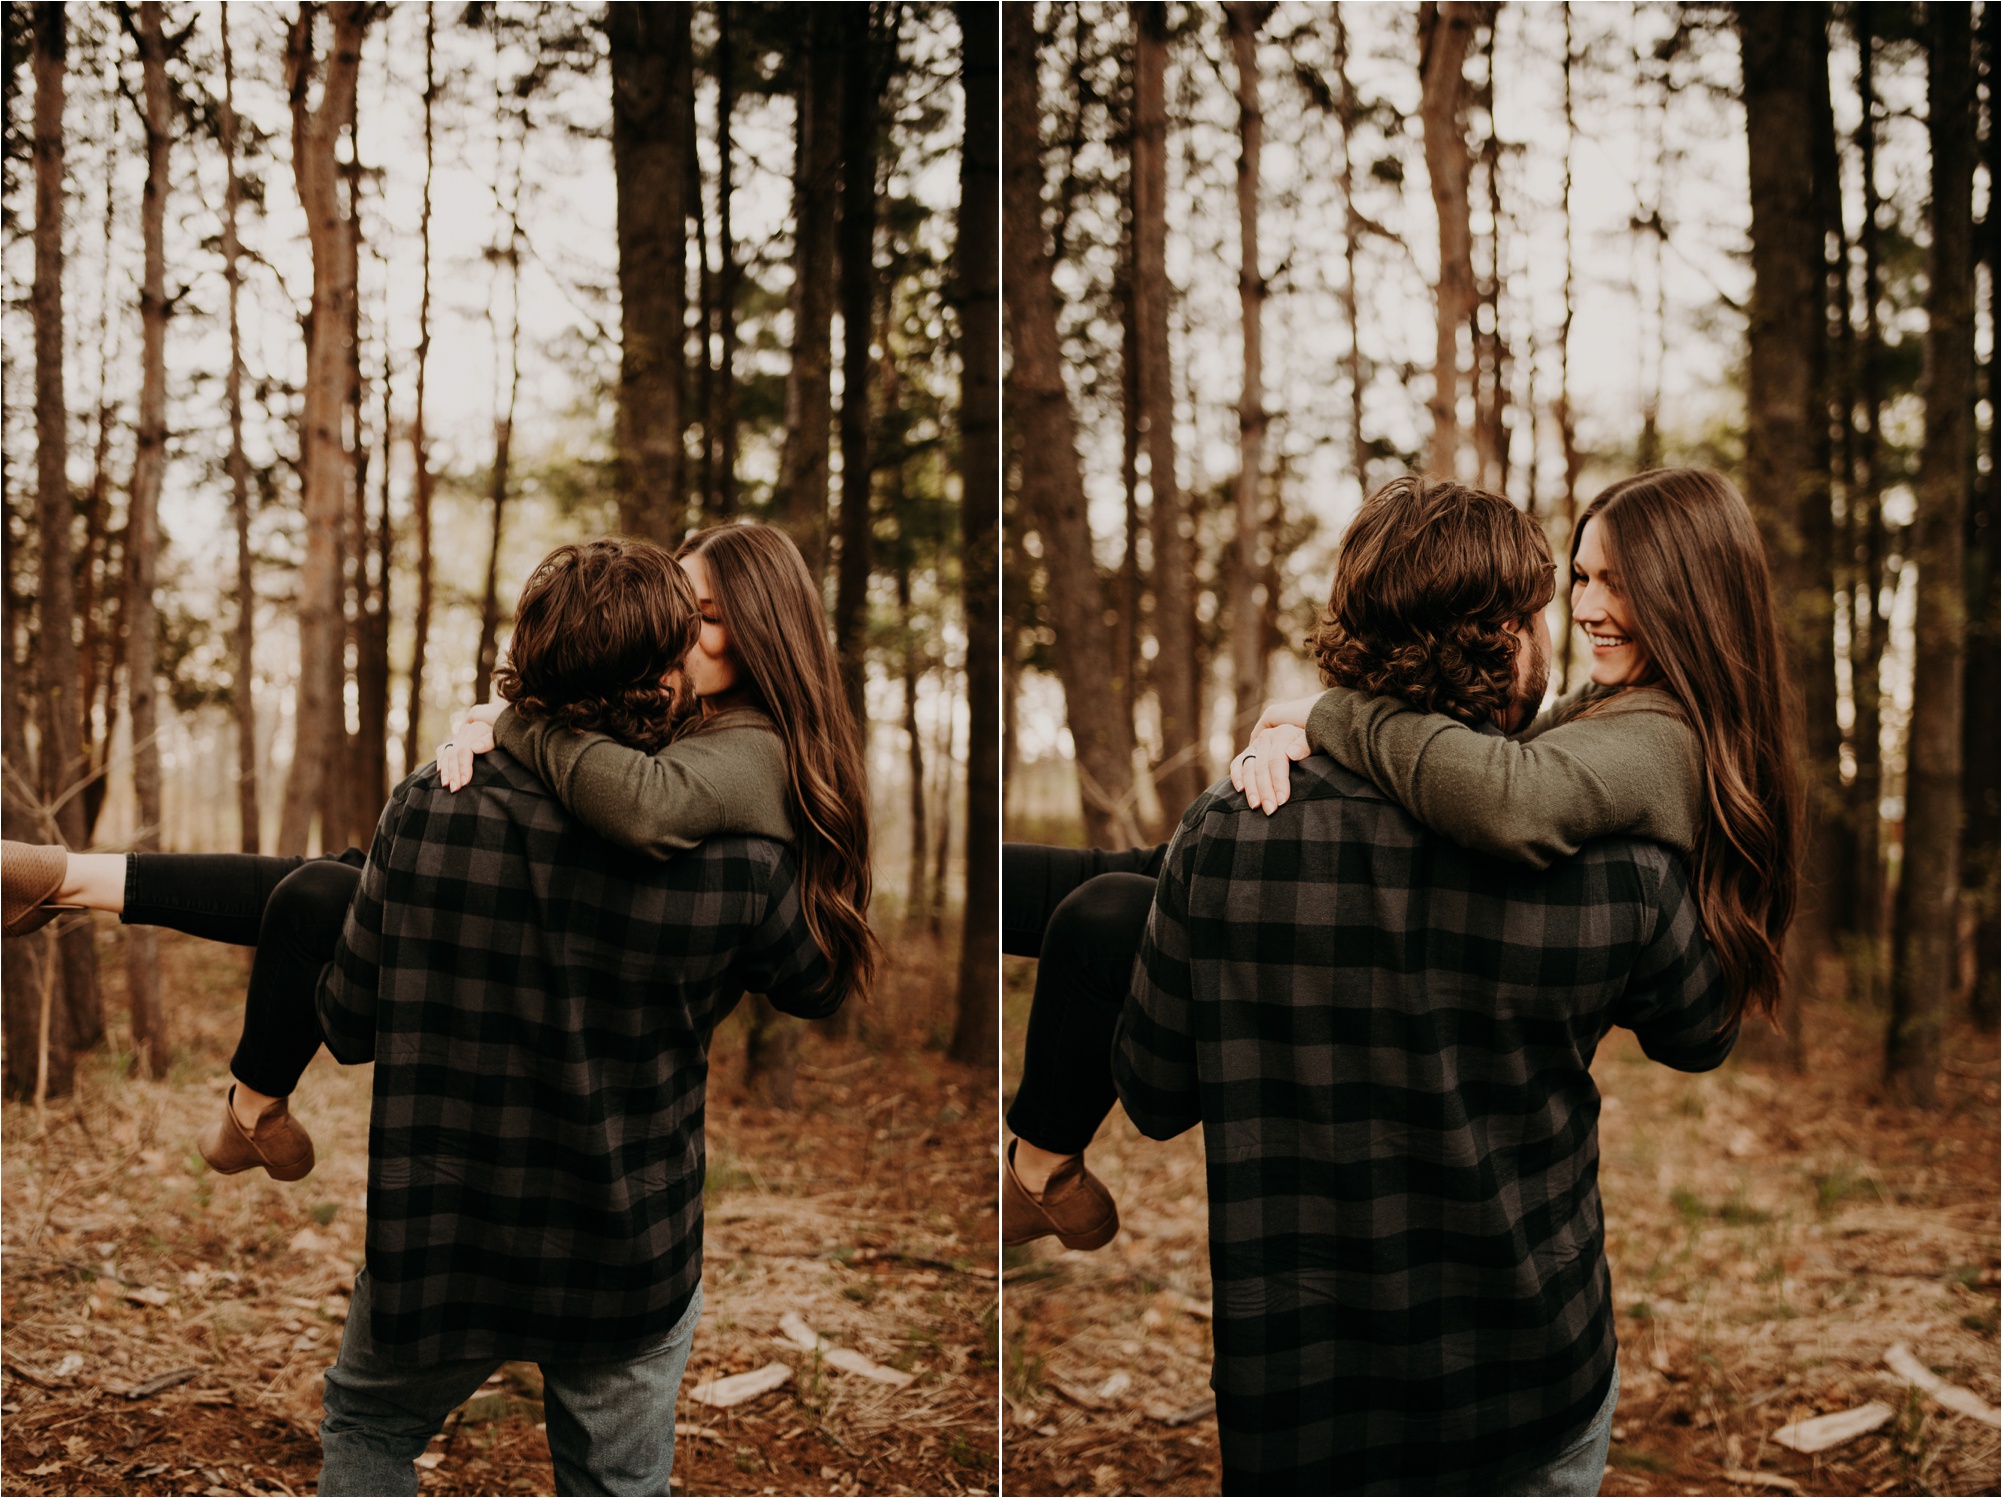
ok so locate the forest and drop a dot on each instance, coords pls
(330, 320)
(325, 322)
(1258, 260)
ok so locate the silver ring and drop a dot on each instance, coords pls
(1247, 755)
(446, 745)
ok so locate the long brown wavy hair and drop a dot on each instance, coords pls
(599, 626)
(767, 600)
(1688, 560)
(1430, 577)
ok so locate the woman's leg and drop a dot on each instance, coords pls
(281, 1028)
(1036, 878)
(1089, 944)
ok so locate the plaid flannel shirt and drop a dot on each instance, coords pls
(538, 1005)
(1386, 1039)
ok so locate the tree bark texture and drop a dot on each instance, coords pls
(1981, 744)
(722, 416)
(976, 252)
(27, 958)
(239, 470)
(1446, 31)
(801, 502)
(1180, 776)
(1247, 633)
(1052, 492)
(326, 464)
(78, 1009)
(652, 77)
(142, 527)
(1345, 112)
(420, 451)
(1785, 59)
(1924, 940)
(860, 90)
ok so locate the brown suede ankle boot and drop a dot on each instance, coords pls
(1074, 1205)
(29, 875)
(279, 1144)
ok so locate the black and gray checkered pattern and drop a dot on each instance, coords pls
(538, 1005)
(1386, 1040)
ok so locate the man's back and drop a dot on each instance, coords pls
(538, 1004)
(1387, 1040)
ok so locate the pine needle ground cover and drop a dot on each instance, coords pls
(131, 1269)
(1772, 1235)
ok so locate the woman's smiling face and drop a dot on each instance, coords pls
(711, 665)
(1600, 609)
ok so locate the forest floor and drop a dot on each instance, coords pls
(868, 1210)
(1772, 1235)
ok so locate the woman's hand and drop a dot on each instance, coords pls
(1264, 771)
(1291, 712)
(471, 735)
(483, 712)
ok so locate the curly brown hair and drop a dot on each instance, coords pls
(598, 631)
(1430, 577)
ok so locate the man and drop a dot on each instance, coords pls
(538, 1005)
(1386, 1039)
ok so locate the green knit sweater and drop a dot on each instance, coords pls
(727, 774)
(1632, 766)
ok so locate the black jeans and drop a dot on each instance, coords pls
(1082, 912)
(290, 909)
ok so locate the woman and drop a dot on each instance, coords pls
(1682, 737)
(773, 751)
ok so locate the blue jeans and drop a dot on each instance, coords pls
(611, 1425)
(1580, 1466)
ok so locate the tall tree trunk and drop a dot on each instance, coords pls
(801, 502)
(1247, 636)
(1785, 50)
(702, 401)
(1445, 32)
(974, 1036)
(1567, 421)
(488, 650)
(100, 581)
(1869, 628)
(1181, 774)
(1128, 623)
(722, 415)
(420, 452)
(326, 465)
(1928, 909)
(80, 1012)
(1345, 114)
(1491, 351)
(1981, 748)
(21, 820)
(652, 76)
(916, 902)
(370, 784)
(338, 827)
(858, 300)
(1052, 486)
(239, 471)
(142, 528)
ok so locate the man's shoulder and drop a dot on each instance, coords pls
(1322, 792)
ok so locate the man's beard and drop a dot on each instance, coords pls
(1530, 696)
